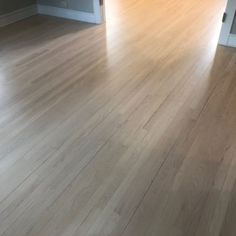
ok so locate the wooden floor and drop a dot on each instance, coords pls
(123, 129)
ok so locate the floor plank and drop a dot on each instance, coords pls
(121, 129)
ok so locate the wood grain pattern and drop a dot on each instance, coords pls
(123, 129)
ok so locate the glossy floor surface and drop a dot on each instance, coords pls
(123, 129)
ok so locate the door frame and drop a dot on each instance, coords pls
(99, 11)
(226, 38)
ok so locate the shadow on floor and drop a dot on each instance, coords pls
(22, 35)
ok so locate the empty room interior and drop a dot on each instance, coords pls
(117, 118)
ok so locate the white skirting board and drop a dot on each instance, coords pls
(18, 15)
(96, 17)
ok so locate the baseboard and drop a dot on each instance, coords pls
(18, 15)
(67, 13)
(232, 40)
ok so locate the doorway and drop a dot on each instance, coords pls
(228, 31)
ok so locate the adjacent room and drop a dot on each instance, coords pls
(117, 118)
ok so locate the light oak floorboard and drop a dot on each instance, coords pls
(121, 129)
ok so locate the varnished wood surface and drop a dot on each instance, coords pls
(123, 129)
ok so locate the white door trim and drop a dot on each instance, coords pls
(227, 25)
(232, 40)
(99, 9)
